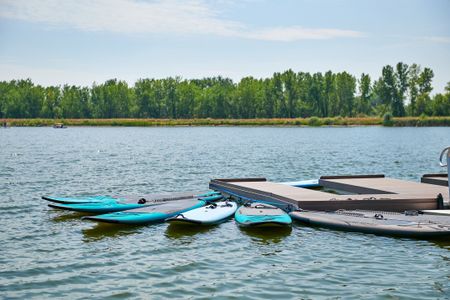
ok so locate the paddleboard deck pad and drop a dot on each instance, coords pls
(409, 224)
(261, 215)
(211, 214)
(149, 214)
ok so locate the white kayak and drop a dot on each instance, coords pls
(211, 214)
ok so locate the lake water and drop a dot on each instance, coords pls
(50, 253)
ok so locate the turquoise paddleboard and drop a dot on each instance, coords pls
(149, 214)
(261, 215)
(128, 198)
(99, 207)
(116, 205)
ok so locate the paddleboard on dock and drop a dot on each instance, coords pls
(409, 224)
(439, 212)
(149, 214)
(211, 214)
(261, 215)
(311, 183)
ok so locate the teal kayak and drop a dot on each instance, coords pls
(261, 215)
(116, 205)
(128, 198)
(149, 214)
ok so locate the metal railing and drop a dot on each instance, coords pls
(446, 164)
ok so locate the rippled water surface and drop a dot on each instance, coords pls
(48, 253)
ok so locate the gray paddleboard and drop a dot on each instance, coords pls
(158, 198)
(168, 207)
(378, 222)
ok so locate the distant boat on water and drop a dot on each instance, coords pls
(59, 126)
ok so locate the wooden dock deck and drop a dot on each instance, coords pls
(368, 192)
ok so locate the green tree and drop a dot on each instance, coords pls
(440, 104)
(71, 102)
(248, 95)
(187, 94)
(345, 90)
(290, 92)
(51, 104)
(423, 104)
(329, 93)
(424, 81)
(401, 74)
(364, 91)
(269, 99)
(287, 94)
(278, 93)
(386, 88)
(147, 101)
(413, 79)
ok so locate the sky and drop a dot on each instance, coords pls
(80, 42)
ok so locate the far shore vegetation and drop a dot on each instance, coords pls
(387, 120)
(401, 96)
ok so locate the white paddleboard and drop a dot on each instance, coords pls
(210, 214)
(439, 212)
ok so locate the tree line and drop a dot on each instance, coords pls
(401, 90)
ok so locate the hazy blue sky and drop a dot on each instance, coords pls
(79, 42)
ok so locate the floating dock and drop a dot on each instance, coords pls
(365, 192)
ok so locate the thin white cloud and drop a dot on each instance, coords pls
(289, 34)
(163, 16)
(437, 39)
(47, 75)
(125, 16)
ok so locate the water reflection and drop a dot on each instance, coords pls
(267, 235)
(66, 216)
(105, 230)
(176, 231)
(443, 242)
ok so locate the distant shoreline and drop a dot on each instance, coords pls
(313, 122)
